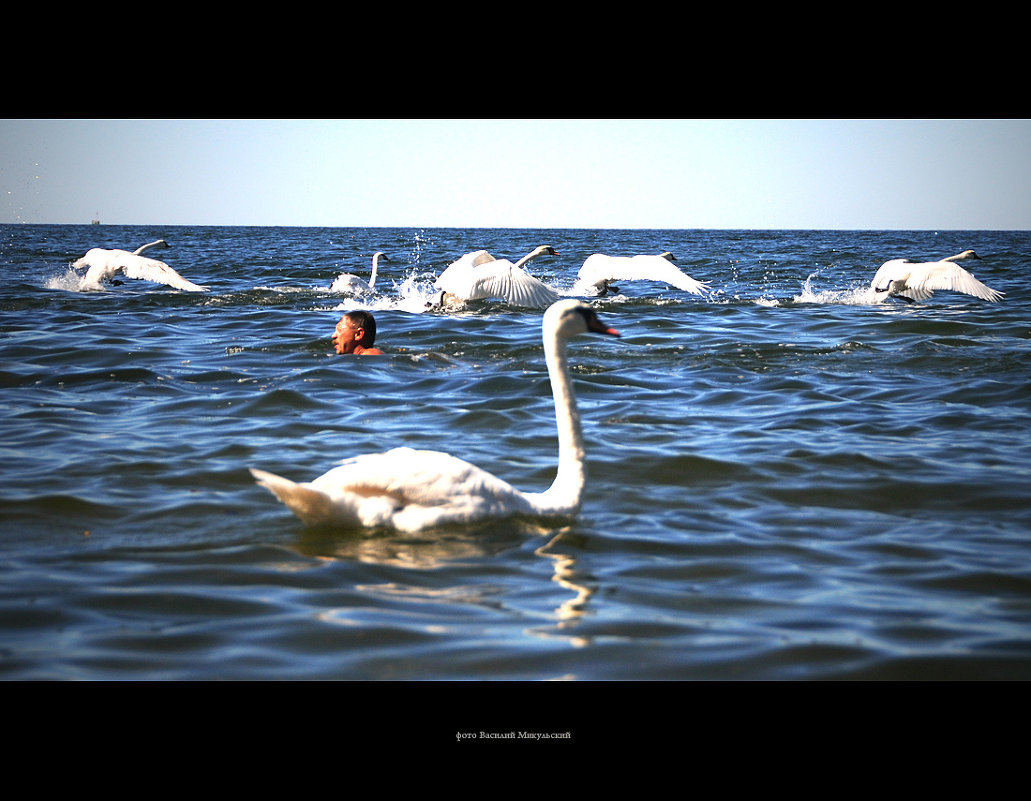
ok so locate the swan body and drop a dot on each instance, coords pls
(105, 263)
(409, 490)
(352, 284)
(913, 281)
(600, 271)
(478, 275)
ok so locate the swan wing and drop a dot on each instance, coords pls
(97, 274)
(596, 268)
(460, 269)
(502, 279)
(496, 278)
(403, 488)
(657, 268)
(919, 281)
(478, 257)
(95, 257)
(599, 268)
(468, 261)
(133, 266)
(946, 275)
(890, 272)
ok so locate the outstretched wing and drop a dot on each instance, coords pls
(600, 268)
(478, 275)
(133, 266)
(889, 272)
(502, 279)
(458, 272)
(947, 275)
(657, 268)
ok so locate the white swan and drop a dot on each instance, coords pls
(352, 284)
(104, 264)
(478, 275)
(410, 490)
(910, 281)
(599, 271)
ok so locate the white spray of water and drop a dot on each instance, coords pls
(69, 281)
(859, 296)
(415, 295)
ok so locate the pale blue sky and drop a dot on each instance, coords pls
(760, 174)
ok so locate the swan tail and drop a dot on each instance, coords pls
(309, 504)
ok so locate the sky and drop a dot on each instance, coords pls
(521, 173)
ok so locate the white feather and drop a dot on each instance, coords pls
(599, 271)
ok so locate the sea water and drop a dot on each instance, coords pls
(786, 481)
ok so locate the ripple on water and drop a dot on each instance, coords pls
(783, 483)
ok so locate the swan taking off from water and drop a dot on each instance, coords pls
(352, 284)
(901, 278)
(478, 275)
(410, 490)
(104, 264)
(599, 271)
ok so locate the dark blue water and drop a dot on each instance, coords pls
(786, 482)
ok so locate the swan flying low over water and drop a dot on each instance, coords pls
(345, 282)
(104, 264)
(911, 281)
(599, 271)
(410, 490)
(478, 275)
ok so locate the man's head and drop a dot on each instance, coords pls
(355, 329)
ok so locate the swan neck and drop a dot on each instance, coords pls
(375, 267)
(526, 258)
(566, 491)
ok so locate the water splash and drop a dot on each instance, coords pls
(69, 281)
(415, 294)
(857, 296)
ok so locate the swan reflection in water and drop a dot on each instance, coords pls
(559, 551)
(450, 548)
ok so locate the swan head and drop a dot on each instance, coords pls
(568, 318)
(545, 250)
(379, 255)
(667, 255)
